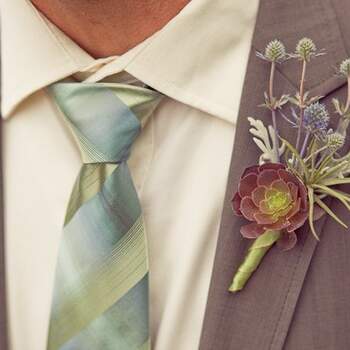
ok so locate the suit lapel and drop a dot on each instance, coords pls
(3, 306)
(259, 316)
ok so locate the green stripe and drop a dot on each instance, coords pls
(141, 104)
(89, 153)
(114, 276)
(89, 182)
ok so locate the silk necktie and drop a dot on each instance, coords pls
(100, 299)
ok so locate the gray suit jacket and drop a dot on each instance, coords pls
(299, 299)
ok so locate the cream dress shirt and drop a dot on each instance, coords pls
(180, 161)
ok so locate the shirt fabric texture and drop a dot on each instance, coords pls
(179, 163)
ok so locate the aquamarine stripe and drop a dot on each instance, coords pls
(100, 117)
(89, 153)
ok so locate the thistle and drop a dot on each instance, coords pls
(335, 141)
(305, 49)
(316, 118)
(344, 68)
(275, 51)
(343, 109)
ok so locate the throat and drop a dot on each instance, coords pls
(109, 27)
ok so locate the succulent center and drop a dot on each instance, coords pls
(278, 201)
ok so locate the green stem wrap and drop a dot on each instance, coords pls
(253, 258)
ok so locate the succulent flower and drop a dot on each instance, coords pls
(272, 198)
(316, 118)
(335, 141)
(275, 51)
(305, 49)
(344, 68)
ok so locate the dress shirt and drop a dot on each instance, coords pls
(179, 163)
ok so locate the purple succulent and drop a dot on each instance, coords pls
(272, 198)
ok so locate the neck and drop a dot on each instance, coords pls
(109, 27)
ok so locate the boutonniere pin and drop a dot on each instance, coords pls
(288, 186)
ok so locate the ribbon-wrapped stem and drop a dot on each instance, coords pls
(253, 258)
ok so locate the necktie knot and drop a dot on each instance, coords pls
(105, 118)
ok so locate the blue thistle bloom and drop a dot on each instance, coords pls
(316, 118)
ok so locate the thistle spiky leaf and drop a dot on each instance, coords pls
(310, 193)
(335, 182)
(333, 193)
(339, 108)
(329, 211)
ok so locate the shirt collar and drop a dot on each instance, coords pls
(192, 59)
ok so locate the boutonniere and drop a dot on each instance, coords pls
(288, 185)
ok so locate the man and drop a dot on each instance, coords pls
(196, 55)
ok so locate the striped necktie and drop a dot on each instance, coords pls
(100, 299)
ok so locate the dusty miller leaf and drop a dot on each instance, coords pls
(263, 138)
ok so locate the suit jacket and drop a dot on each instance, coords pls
(297, 299)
